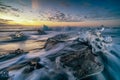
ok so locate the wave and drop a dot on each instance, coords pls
(100, 45)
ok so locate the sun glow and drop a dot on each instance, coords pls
(25, 20)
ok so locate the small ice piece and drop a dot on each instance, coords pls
(108, 39)
(57, 62)
(102, 29)
(98, 33)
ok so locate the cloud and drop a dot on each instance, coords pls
(62, 17)
(4, 21)
(15, 9)
(6, 8)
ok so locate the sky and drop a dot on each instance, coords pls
(60, 12)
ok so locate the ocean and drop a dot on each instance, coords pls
(34, 44)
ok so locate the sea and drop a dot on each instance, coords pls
(34, 43)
